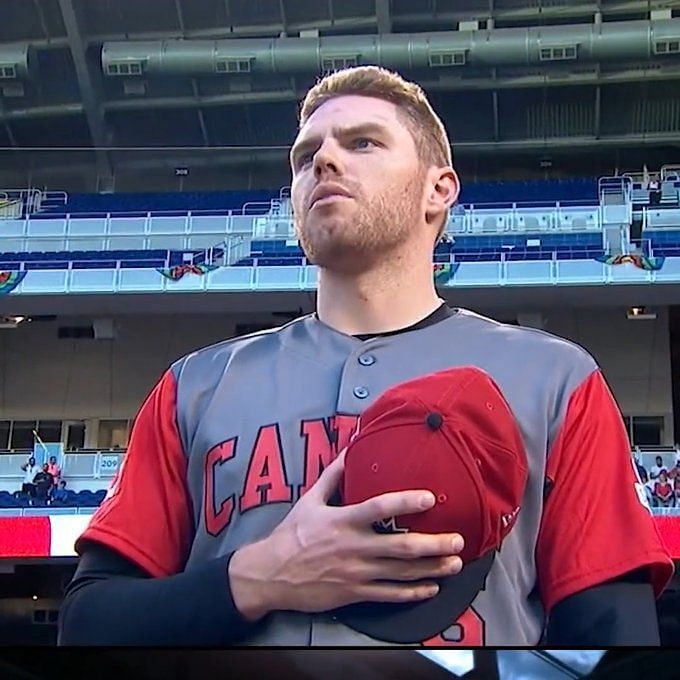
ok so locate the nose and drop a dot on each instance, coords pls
(327, 161)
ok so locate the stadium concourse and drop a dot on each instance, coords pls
(144, 150)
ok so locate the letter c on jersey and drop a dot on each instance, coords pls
(216, 520)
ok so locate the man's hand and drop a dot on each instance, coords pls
(321, 557)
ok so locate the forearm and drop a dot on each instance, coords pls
(194, 608)
(613, 614)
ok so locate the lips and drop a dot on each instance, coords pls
(326, 191)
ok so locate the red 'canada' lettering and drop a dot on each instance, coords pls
(467, 631)
(344, 425)
(216, 521)
(265, 479)
(266, 476)
(319, 450)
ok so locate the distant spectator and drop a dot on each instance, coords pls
(642, 471)
(54, 470)
(654, 192)
(31, 470)
(60, 495)
(676, 491)
(663, 491)
(44, 483)
(649, 491)
(658, 468)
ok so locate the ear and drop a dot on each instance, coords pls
(443, 189)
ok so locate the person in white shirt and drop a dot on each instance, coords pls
(657, 468)
(648, 486)
(30, 471)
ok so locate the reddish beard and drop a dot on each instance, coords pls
(351, 239)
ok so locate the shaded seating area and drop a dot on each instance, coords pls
(80, 499)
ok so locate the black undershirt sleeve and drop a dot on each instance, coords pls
(616, 613)
(112, 601)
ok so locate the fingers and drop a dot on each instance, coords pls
(391, 504)
(330, 479)
(410, 546)
(390, 592)
(408, 570)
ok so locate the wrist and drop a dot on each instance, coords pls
(250, 588)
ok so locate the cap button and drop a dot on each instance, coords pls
(434, 421)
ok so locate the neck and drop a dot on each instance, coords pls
(387, 297)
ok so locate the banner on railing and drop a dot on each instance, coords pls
(177, 272)
(652, 264)
(444, 271)
(9, 281)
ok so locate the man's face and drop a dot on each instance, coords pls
(31, 461)
(44, 467)
(356, 156)
(659, 461)
(53, 460)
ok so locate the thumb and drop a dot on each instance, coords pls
(330, 479)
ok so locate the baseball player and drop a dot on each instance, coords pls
(222, 526)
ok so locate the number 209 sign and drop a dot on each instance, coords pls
(108, 465)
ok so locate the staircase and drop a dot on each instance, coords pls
(616, 214)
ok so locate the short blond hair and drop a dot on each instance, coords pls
(429, 134)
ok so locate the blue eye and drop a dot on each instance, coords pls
(304, 159)
(363, 142)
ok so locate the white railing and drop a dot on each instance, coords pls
(193, 233)
(670, 173)
(82, 465)
(32, 201)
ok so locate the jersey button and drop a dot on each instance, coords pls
(360, 392)
(367, 360)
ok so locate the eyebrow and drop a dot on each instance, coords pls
(337, 131)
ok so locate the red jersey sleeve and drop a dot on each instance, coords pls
(596, 523)
(146, 515)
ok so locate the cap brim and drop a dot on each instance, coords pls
(420, 621)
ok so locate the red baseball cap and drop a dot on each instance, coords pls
(453, 433)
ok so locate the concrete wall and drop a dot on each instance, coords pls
(43, 377)
(634, 356)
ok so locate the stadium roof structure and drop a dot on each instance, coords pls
(215, 83)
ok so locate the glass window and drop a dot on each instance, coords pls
(50, 431)
(647, 430)
(563, 664)
(22, 434)
(458, 662)
(113, 434)
(4, 433)
(75, 436)
(581, 660)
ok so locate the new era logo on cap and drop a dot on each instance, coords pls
(453, 433)
(388, 526)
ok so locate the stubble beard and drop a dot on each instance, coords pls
(352, 241)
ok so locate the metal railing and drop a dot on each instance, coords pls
(32, 201)
(86, 464)
(670, 173)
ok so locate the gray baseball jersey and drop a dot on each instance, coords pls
(235, 433)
